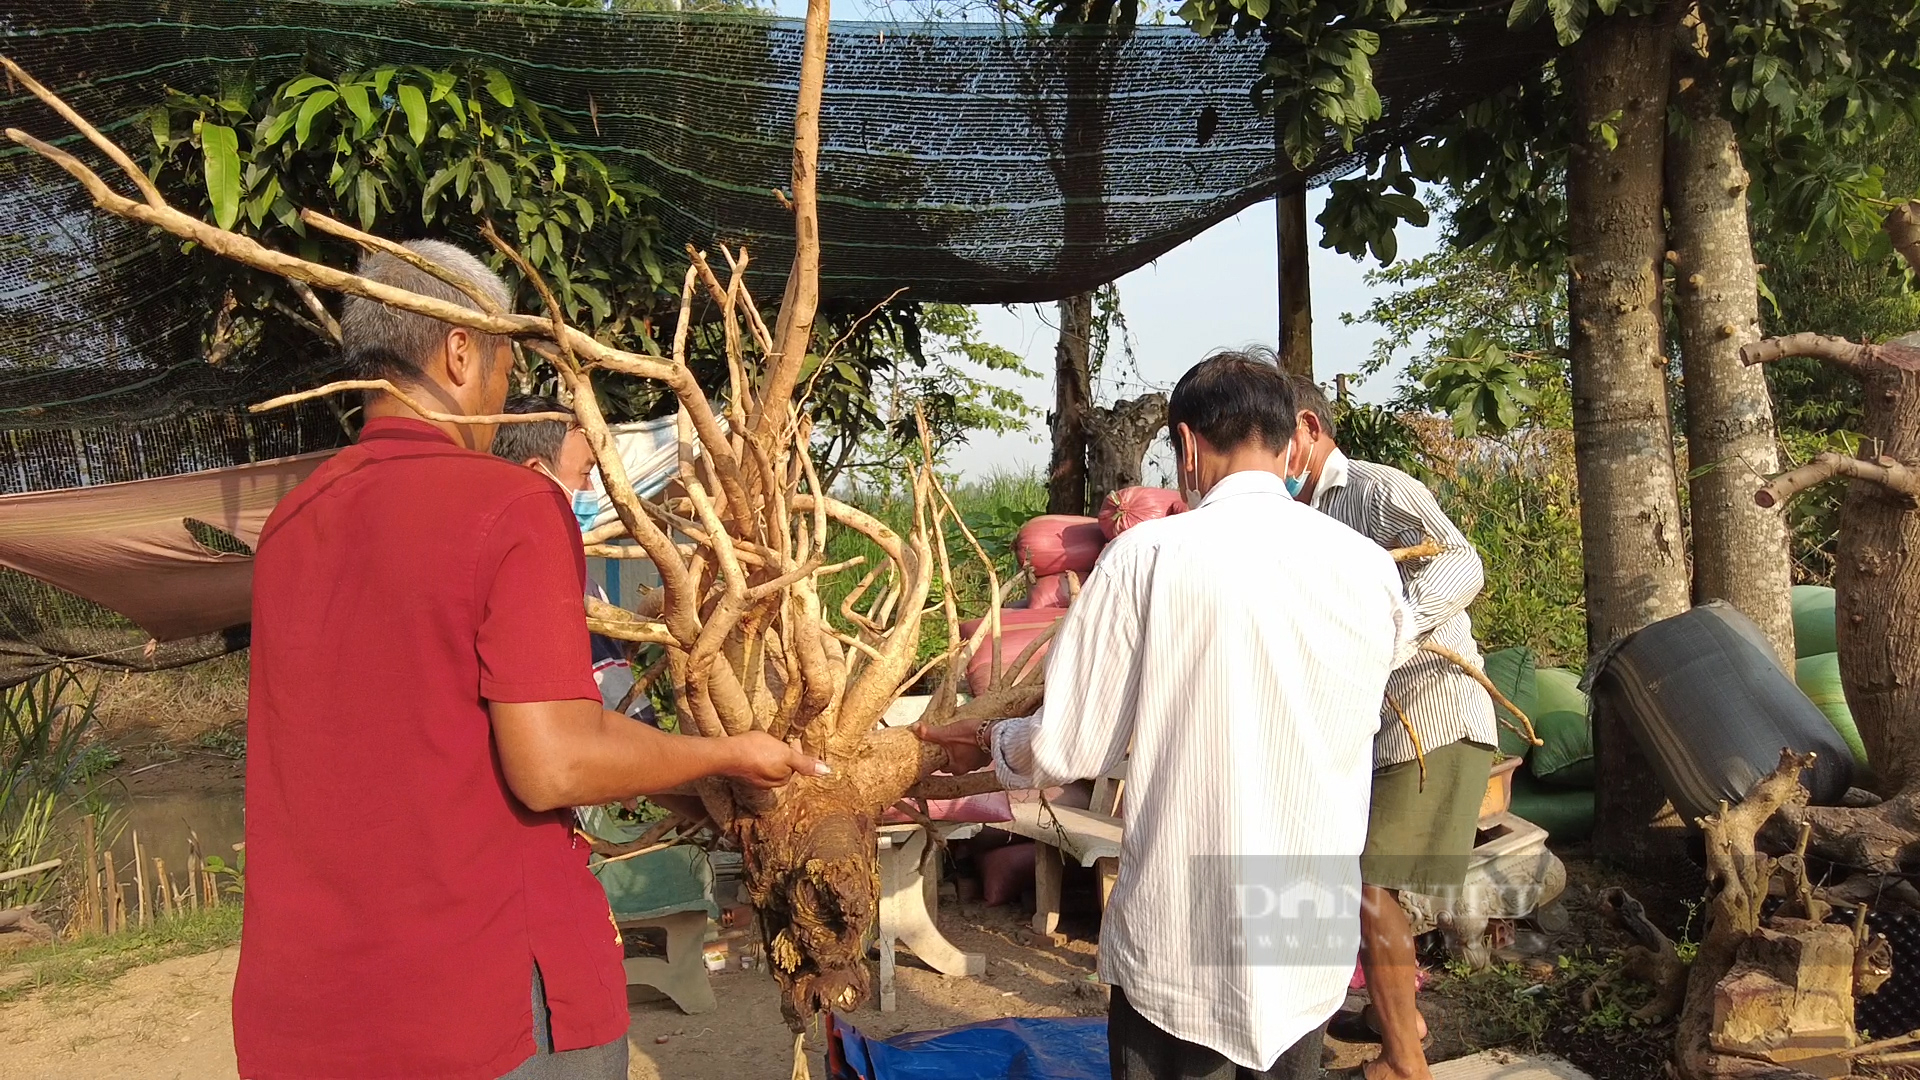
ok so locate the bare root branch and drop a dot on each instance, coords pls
(1473, 672)
(148, 190)
(1427, 548)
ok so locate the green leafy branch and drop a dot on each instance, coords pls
(404, 149)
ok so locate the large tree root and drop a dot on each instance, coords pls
(1882, 839)
(811, 871)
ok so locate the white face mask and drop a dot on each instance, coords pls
(1190, 496)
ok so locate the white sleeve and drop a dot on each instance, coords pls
(1093, 675)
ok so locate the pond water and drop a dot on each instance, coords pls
(166, 822)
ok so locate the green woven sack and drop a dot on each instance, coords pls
(1566, 813)
(1813, 632)
(1560, 719)
(1819, 679)
(1512, 671)
(1567, 758)
(1558, 689)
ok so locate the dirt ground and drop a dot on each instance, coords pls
(172, 1019)
(181, 747)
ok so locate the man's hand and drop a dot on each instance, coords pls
(961, 741)
(763, 761)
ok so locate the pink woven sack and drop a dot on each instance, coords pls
(1127, 507)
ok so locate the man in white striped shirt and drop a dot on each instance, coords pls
(1437, 732)
(1241, 649)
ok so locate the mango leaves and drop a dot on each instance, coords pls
(1483, 389)
(408, 150)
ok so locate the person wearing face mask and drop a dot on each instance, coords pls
(1248, 686)
(1420, 831)
(560, 452)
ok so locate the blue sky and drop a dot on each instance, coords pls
(1217, 290)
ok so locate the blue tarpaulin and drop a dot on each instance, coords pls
(1016, 1048)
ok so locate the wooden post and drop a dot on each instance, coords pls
(140, 882)
(194, 864)
(110, 893)
(166, 885)
(94, 917)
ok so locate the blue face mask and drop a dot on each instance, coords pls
(586, 509)
(1295, 483)
(586, 505)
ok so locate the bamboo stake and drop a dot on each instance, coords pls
(90, 892)
(140, 881)
(166, 885)
(194, 862)
(110, 892)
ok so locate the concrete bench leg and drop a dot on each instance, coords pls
(906, 916)
(682, 976)
(1046, 888)
(1109, 871)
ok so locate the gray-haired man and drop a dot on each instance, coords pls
(420, 683)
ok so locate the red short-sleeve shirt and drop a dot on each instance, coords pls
(398, 895)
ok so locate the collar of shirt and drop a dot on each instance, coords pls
(405, 428)
(1333, 474)
(1248, 482)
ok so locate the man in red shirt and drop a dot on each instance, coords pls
(421, 714)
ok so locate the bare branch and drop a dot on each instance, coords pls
(802, 298)
(345, 386)
(106, 146)
(1427, 548)
(1473, 672)
(1885, 471)
(329, 326)
(616, 622)
(406, 255)
(1858, 359)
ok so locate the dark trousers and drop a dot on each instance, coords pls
(607, 1061)
(1140, 1051)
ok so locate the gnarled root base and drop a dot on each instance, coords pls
(811, 871)
(1763, 997)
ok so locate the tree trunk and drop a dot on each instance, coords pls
(1877, 578)
(1296, 294)
(1117, 441)
(1877, 563)
(1631, 539)
(1739, 548)
(1072, 404)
